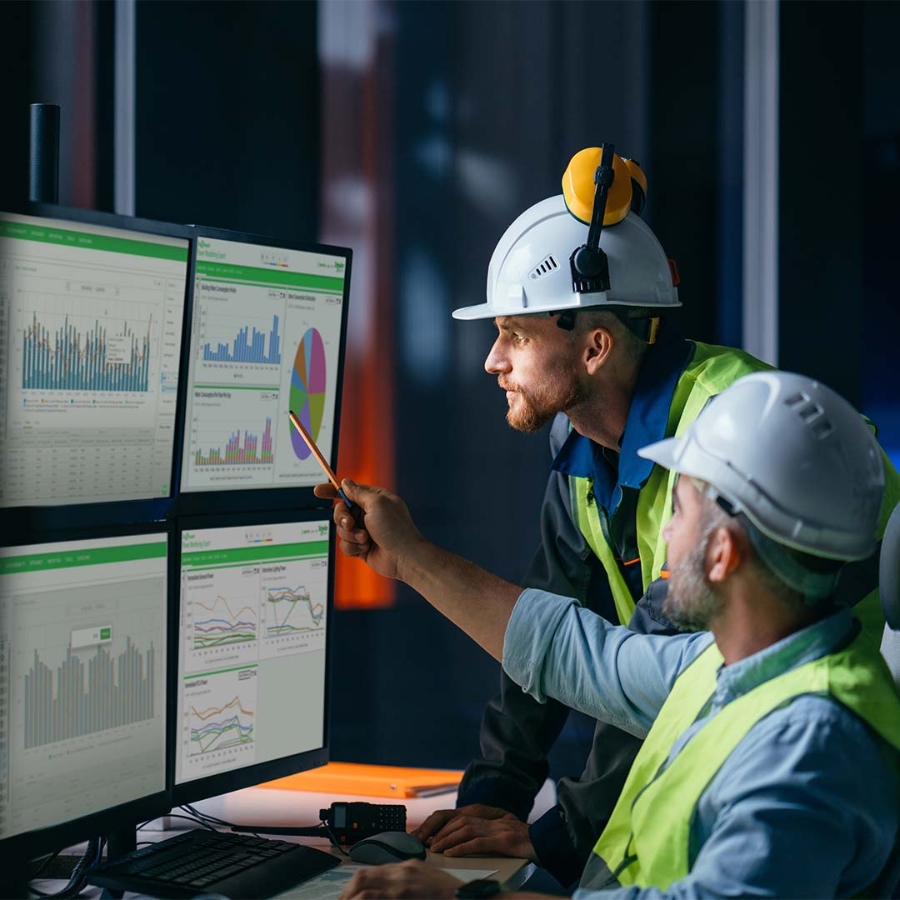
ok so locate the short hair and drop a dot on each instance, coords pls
(616, 321)
(713, 516)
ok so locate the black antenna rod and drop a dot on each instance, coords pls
(43, 183)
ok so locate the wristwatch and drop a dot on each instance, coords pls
(481, 887)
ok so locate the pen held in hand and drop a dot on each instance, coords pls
(295, 421)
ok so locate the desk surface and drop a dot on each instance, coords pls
(286, 808)
(277, 808)
(291, 808)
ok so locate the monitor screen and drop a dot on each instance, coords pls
(267, 337)
(255, 600)
(82, 687)
(90, 346)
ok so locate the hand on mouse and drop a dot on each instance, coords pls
(380, 533)
(411, 880)
(476, 830)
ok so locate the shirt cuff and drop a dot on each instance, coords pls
(529, 634)
(554, 848)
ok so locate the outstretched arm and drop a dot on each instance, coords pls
(383, 535)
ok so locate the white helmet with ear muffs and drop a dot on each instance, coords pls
(585, 248)
(792, 456)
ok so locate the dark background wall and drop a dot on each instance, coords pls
(477, 108)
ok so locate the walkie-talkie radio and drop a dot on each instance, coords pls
(349, 822)
(343, 823)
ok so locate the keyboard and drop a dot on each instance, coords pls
(237, 866)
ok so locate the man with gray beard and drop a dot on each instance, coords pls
(771, 758)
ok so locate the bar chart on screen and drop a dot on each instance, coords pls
(263, 336)
(85, 634)
(92, 336)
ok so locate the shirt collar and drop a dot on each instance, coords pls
(647, 419)
(797, 649)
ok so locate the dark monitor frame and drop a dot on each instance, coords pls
(125, 817)
(257, 773)
(38, 519)
(264, 498)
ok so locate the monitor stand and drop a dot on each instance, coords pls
(14, 881)
(118, 843)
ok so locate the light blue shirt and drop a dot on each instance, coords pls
(806, 805)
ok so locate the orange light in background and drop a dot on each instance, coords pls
(357, 212)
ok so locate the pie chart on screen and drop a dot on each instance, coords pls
(308, 389)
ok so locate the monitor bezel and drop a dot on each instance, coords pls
(124, 817)
(215, 785)
(39, 518)
(227, 500)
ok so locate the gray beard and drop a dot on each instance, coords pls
(691, 601)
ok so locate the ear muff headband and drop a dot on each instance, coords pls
(629, 187)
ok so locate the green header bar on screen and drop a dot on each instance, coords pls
(243, 555)
(86, 241)
(226, 272)
(89, 556)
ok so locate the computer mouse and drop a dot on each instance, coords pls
(387, 847)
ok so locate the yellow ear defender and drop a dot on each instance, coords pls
(627, 192)
(600, 189)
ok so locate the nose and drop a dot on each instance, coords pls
(496, 361)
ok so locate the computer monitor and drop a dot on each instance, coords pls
(268, 326)
(83, 669)
(91, 319)
(253, 636)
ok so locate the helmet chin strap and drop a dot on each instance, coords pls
(646, 328)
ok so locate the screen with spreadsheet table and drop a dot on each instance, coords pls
(252, 652)
(267, 337)
(91, 321)
(83, 668)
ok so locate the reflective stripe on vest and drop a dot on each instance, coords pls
(647, 839)
(709, 371)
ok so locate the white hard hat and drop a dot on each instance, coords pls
(791, 455)
(530, 273)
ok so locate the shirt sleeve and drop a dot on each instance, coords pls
(556, 648)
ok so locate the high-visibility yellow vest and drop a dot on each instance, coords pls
(710, 370)
(646, 840)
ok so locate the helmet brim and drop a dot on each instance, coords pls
(482, 311)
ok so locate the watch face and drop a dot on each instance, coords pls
(481, 887)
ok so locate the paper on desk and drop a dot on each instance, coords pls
(330, 885)
(469, 874)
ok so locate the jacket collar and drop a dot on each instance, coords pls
(647, 419)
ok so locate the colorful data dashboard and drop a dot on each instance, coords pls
(251, 654)
(265, 340)
(90, 345)
(82, 677)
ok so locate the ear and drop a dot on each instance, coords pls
(724, 555)
(598, 346)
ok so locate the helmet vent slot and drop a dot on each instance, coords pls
(811, 414)
(544, 267)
